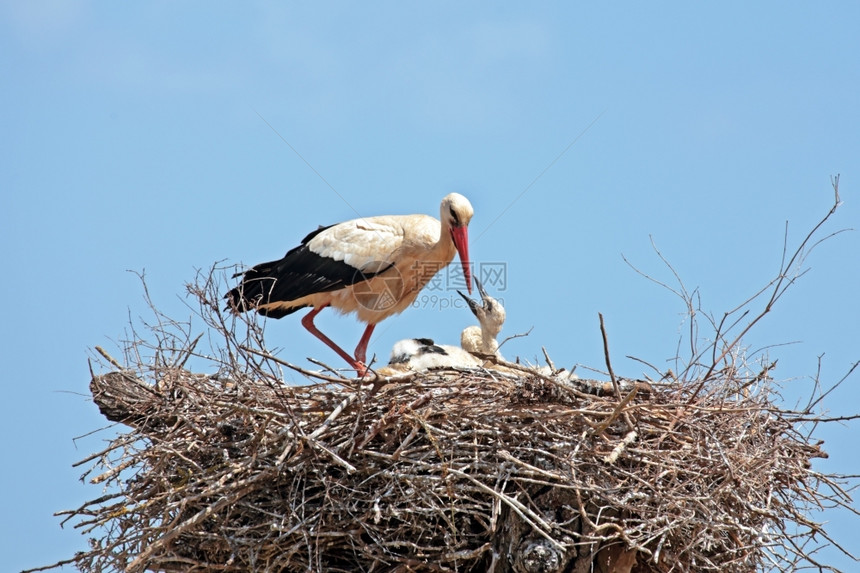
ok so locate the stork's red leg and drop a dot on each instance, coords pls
(361, 349)
(308, 323)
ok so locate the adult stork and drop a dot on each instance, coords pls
(374, 267)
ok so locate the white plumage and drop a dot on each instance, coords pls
(373, 267)
(421, 354)
(491, 317)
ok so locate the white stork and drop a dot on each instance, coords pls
(374, 267)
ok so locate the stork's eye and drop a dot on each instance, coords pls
(455, 219)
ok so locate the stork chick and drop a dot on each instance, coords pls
(491, 316)
(423, 354)
(420, 354)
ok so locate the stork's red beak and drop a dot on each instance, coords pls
(460, 236)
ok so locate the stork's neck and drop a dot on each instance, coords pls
(489, 344)
(444, 250)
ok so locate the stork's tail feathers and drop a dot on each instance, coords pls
(255, 290)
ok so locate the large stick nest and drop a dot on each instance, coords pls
(494, 469)
(443, 471)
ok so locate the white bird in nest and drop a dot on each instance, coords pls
(477, 345)
(491, 317)
(420, 354)
(483, 340)
(374, 267)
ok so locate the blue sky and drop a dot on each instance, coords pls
(137, 138)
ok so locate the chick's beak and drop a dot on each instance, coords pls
(473, 305)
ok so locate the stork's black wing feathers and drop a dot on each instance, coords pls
(299, 273)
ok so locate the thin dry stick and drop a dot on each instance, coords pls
(108, 357)
(606, 356)
(299, 369)
(619, 409)
(549, 361)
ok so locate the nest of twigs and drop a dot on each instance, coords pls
(513, 469)
(445, 471)
(522, 470)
